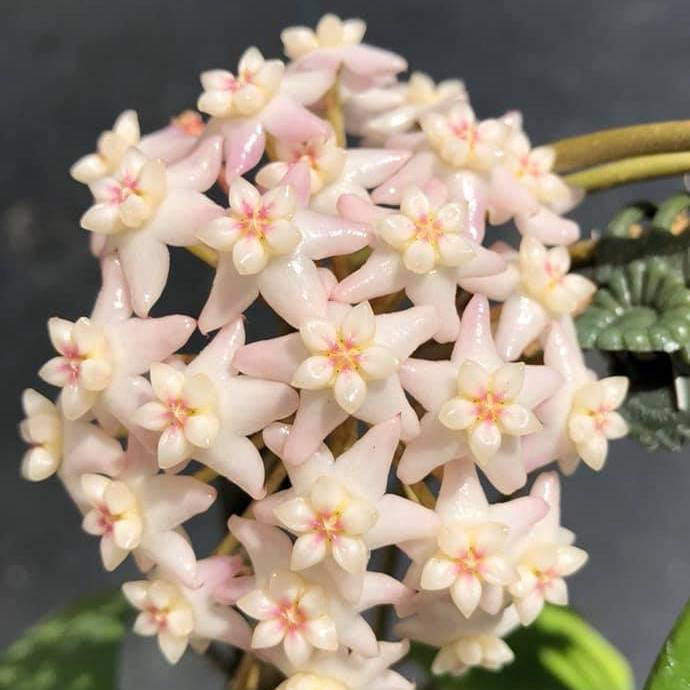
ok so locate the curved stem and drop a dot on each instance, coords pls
(273, 482)
(630, 170)
(334, 113)
(621, 142)
(206, 254)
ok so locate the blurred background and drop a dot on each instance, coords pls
(67, 68)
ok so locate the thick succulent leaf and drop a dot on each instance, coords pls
(76, 649)
(654, 420)
(642, 306)
(672, 215)
(559, 651)
(628, 220)
(672, 668)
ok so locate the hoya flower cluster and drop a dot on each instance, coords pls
(367, 255)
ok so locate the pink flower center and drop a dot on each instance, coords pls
(189, 122)
(489, 407)
(234, 83)
(291, 617)
(71, 364)
(254, 222)
(470, 562)
(555, 274)
(124, 189)
(545, 577)
(428, 229)
(160, 616)
(306, 153)
(344, 355)
(466, 131)
(529, 167)
(600, 416)
(106, 520)
(178, 412)
(327, 526)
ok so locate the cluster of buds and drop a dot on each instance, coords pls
(369, 255)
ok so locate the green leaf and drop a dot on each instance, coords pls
(654, 419)
(642, 306)
(672, 668)
(76, 649)
(672, 211)
(558, 652)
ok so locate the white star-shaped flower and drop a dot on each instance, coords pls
(478, 405)
(580, 418)
(181, 615)
(346, 363)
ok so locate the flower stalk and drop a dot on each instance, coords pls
(629, 170)
(605, 146)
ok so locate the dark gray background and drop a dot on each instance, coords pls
(68, 67)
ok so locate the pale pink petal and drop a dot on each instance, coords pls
(381, 274)
(306, 87)
(237, 459)
(358, 210)
(169, 144)
(244, 145)
(418, 170)
(400, 520)
(216, 359)
(293, 288)
(437, 289)
(269, 548)
(112, 303)
(318, 414)
(380, 589)
(507, 197)
(498, 287)
(200, 169)
(173, 499)
(385, 399)
(519, 513)
(371, 167)
(140, 342)
(276, 359)
(287, 120)
(522, 321)
(308, 550)
(548, 227)
(367, 462)
(404, 331)
(370, 60)
(145, 262)
(466, 593)
(461, 496)
(327, 235)
(505, 469)
(472, 189)
(230, 295)
(434, 446)
(540, 383)
(350, 391)
(475, 341)
(359, 324)
(252, 404)
(180, 217)
(430, 383)
(172, 552)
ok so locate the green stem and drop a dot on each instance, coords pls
(615, 144)
(630, 170)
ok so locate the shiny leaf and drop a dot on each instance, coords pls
(672, 668)
(76, 649)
